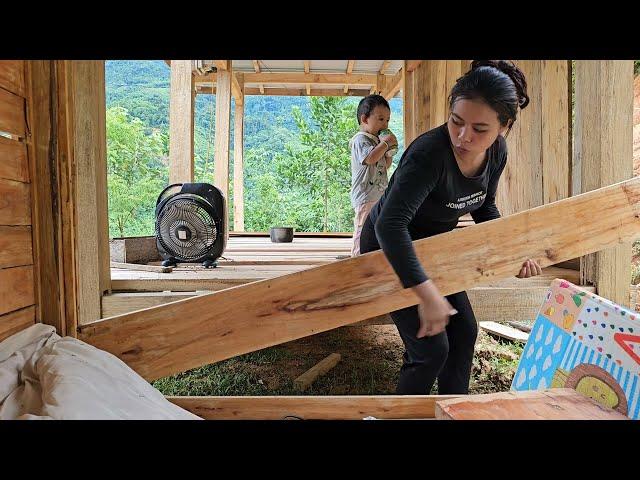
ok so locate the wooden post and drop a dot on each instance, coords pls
(438, 89)
(407, 104)
(421, 98)
(223, 118)
(181, 123)
(238, 165)
(89, 153)
(604, 147)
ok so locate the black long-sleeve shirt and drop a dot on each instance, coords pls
(427, 194)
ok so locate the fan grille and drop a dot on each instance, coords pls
(185, 228)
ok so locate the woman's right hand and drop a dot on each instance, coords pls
(434, 310)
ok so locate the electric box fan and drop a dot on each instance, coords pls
(190, 224)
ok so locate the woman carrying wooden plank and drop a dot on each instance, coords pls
(444, 174)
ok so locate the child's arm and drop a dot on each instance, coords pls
(376, 154)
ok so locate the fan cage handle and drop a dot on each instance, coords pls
(167, 188)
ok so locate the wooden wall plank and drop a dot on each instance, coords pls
(12, 114)
(556, 161)
(15, 203)
(421, 93)
(212, 327)
(408, 105)
(14, 322)
(13, 160)
(339, 407)
(438, 94)
(12, 76)
(604, 146)
(15, 246)
(16, 288)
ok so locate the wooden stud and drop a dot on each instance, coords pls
(223, 118)
(181, 126)
(407, 105)
(238, 169)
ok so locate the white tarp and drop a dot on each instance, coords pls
(45, 376)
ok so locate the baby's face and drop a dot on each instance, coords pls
(378, 120)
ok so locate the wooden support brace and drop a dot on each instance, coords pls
(224, 324)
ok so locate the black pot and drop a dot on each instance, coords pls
(281, 234)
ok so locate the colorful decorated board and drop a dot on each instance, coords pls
(585, 342)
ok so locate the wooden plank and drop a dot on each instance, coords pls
(338, 407)
(13, 160)
(181, 130)
(144, 268)
(293, 78)
(64, 279)
(223, 118)
(550, 404)
(520, 187)
(393, 85)
(119, 303)
(42, 146)
(237, 88)
(89, 154)
(17, 321)
(438, 95)
(223, 64)
(134, 249)
(411, 65)
(604, 143)
(278, 310)
(238, 169)
(15, 203)
(16, 288)
(454, 72)
(305, 380)
(556, 162)
(505, 331)
(15, 246)
(12, 114)
(12, 76)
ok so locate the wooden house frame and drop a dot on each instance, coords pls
(54, 245)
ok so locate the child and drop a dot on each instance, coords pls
(369, 160)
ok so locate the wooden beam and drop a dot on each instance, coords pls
(237, 87)
(504, 331)
(422, 99)
(384, 66)
(307, 66)
(312, 78)
(411, 65)
(350, 65)
(288, 307)
(604, 144)
(223, 118)
(238, 168)
(393, 85)
(294, 92)
(89, 151)
(256, 65)
(224, 65)
(142, 268)
(181, 128)
(206, 78)
(338, 407)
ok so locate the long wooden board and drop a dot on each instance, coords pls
(338, 407)
(172, 338)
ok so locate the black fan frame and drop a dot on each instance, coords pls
(210, 198)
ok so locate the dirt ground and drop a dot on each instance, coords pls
(370, 363)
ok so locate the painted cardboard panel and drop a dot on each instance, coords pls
(583, 341)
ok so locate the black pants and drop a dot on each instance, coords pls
(447, 356)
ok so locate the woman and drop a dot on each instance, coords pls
(445, 173)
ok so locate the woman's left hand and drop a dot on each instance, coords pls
(530, 268)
